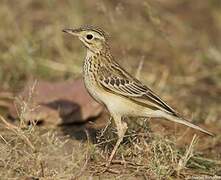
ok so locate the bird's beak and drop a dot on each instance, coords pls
(71, 31)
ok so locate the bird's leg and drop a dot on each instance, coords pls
(121, 129)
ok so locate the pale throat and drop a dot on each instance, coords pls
(92, 54)
(89, 53)
(90, 59)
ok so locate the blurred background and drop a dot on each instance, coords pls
(172, 46)
(178, 42)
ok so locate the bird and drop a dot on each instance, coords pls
(111, 85)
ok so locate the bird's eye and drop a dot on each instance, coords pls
(89, 36)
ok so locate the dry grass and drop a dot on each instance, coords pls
(173, 46)
(49, 158)
(48, 153)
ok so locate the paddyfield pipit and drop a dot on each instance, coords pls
(121, 93)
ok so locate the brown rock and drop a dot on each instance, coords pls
(57, 103)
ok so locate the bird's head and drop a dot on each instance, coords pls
(94, 38)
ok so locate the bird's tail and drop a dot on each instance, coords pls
(185, 122)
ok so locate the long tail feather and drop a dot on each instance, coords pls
(185, 122)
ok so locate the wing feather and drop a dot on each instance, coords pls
(123, 84)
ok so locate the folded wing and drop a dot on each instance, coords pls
(121, 83)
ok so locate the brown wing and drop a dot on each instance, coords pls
(118, 81)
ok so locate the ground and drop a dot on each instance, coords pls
(172, 46)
